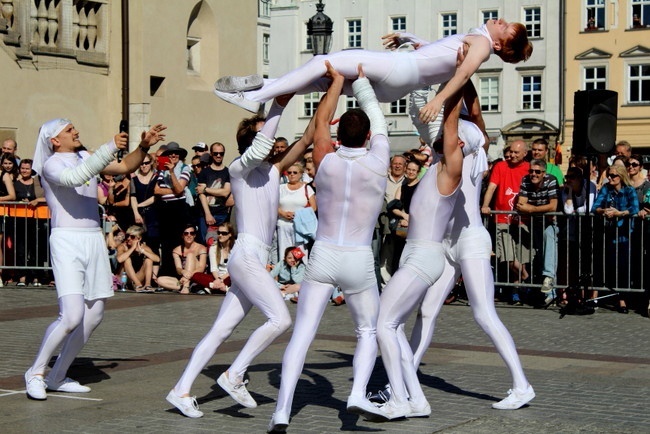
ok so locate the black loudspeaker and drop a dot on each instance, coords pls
(594, 114)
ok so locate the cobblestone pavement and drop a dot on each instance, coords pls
(590, 373)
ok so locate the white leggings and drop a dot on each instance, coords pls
(479, 283)
(77, 320)
(392, 74)
(252, 286)
(314, 298)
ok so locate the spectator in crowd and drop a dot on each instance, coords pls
(279, 146)
(7, 194)
(173, 208)
(512, 241)
(119, 200)
(200, 149)
(576, 196)
(623, 149)
(618, 160)
(400, 212)
(214, 190)
(637, 180)
(143, 185)
(220, 243)
(538, 193)
(616, 202)
(30, 230)
(137, 259)
(395, 178)
(289, 272)
(294, 195)
(189, 258)
(539, 151)
(105, 184)
(10, 146)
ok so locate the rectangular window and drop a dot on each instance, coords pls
(311, 101)
(595, 15)
(533, 22)
(266, 40)
(398, 107)
(398, 24)
(351, 103)
(490, 15)
(449, 24)
(489, 94)
(639, 83)
(531, 92)
(354, 34)
(264, 8)
(640, 13)
(595, 77)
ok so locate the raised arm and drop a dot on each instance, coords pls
(392, 41)
(131, 161)
(324, 115)
(297, 148)
(453, 155)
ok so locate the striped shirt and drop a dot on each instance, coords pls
(183, 172)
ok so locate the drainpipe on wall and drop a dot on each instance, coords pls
(562, 72)
(125, 60)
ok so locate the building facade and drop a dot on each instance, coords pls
(63, 58)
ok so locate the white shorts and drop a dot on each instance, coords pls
(351, 268)
(473, 243)
(80, 263)
(425, 258)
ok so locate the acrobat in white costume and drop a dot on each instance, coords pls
(255, 186)
(421, 263)
(78, 250)
(392, 74)
(351, 184)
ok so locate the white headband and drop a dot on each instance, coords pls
(473, 138)
(44, 148)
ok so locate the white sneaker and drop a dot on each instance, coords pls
(237, 392)
(239, 100)
(419, 409)
(393, 410)
(233, 83)
(278, 423)
(362, 406)
(187, 404)
(35, 387)
(547, 285)
(67, 385)
(515, 399)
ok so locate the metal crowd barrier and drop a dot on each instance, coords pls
(594, 252)
(25, 232)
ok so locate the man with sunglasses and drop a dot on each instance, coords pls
(213, 189)
(539, 194)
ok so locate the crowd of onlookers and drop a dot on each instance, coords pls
(170, 225)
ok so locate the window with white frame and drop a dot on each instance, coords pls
(595, 77)
(264, 8)
(310, 103)
(533, 22)
(354, 34)
(398, 107)
(491, 14)
(595, 15)
(266, 40)
(449, 24)
(640, 13)
(351, 103)
(639, 83)
(531, 92)
(398, 24)
(489, 93)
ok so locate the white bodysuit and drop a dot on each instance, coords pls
(392, 74)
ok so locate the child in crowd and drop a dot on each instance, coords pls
(290, 272)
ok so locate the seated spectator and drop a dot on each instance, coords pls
(189, 258)
(137, 259)
(218, 254)
(290, 272)
(616, 201)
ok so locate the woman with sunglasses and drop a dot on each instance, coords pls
(189, 258)
(137, 259)
(641, 185)
(143, 185)
(218, 253)
(616, 202)
(8, 173)
(294, 194)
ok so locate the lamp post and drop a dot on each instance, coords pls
(319, 29)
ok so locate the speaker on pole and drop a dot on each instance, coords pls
(594, 114)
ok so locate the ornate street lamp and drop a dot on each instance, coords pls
(319, 29)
